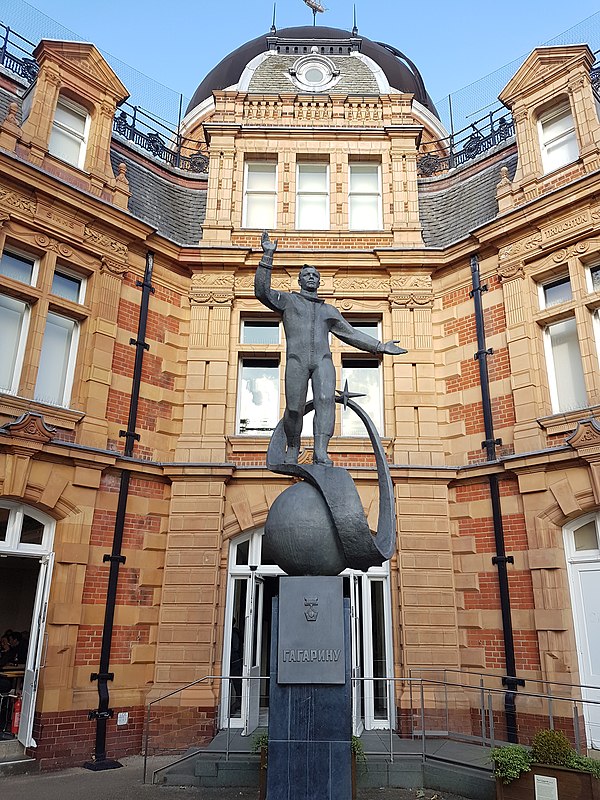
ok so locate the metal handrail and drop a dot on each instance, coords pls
(499, 677)
(486, 707)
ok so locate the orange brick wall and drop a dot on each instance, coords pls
(67, 738)
(89, 641)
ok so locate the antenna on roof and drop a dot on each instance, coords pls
(316, 8)
(273, 28)
(354, 25)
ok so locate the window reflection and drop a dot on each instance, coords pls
(258, 396)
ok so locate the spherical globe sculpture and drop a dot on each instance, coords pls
(300, 535)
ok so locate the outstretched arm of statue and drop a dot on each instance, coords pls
(262, 279)
(344, 331)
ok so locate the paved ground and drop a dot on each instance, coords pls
(126, 784)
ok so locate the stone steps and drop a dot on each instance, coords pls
(13, 760)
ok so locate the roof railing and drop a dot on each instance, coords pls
(453, 151)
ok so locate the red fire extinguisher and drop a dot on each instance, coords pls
(16, 716)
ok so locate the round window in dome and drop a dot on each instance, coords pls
(314, 73)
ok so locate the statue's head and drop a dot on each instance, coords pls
(309, 278)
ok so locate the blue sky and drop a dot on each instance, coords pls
(453, 44)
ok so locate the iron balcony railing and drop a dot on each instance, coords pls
(130, 123)
(459, 148)
(163, 142)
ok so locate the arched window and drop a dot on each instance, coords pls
(558, 139)
(24, 530)
(70, 130)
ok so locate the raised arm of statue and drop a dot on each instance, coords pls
(344, 331)
(262, 280)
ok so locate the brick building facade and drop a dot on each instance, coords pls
(321, 140)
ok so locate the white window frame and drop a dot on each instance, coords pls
(276, 356)
(542, 290)
(83, 140)
(546, 117)
(588, 277)
(12, 544)
(378, 196)
(366, 357)
(271, 322)
(247, 164)
(71, 361)
(550, 368)
(16, 251)
(20, 354)
(71, 273)
(326, 194)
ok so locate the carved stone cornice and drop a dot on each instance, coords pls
(48, 243)
(521, 247)
(586, 439)
(361, 284)
(210, 298)
(212, 288)
(510, 271)
(30, 428)
(16, 200)
(114, 267)
(105, 242)
(411, 300)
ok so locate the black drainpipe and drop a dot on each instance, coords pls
(500, 560)
(103, 713)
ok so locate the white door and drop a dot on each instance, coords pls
(356, 653)
(34, 653)
(252, 652)
(586, 584)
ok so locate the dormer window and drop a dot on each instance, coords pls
(558, 139)
(70, 128)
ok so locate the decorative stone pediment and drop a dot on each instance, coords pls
(83, 58)
(30, 427)
(586, 439)
(542, 67)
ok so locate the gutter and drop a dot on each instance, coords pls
(500, 560)
(115, 558)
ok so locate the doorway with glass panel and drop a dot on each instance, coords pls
(252, 584)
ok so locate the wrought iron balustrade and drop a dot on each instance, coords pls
(16, 57)
(459, 148)
(130, 124)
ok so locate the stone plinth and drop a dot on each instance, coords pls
(310, 723)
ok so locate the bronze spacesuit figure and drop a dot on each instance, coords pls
(307, 321)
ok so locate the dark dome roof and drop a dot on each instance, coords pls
(402, 76)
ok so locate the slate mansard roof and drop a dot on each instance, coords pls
(177, 212)
(450, 206)
(453, 205)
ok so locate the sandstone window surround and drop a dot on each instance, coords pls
(364, 197)
(70, 132)
(260, 195)
(41, 310)
(558, 138)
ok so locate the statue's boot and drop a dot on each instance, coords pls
(291, 455)
(320, 455)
